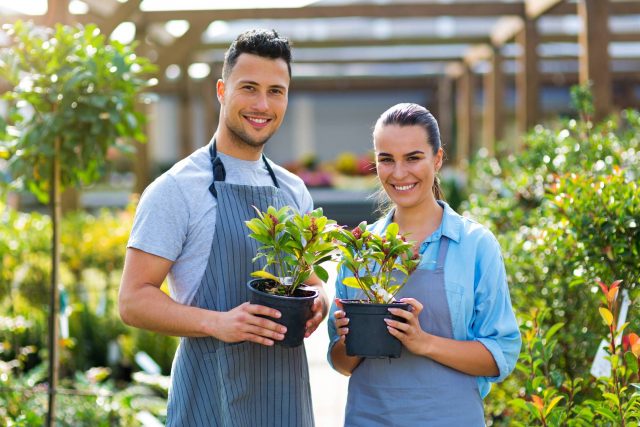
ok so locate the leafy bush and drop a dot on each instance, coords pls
(566, 211)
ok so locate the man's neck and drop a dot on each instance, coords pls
(229, 145)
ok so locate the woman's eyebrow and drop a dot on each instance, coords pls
(413, 153)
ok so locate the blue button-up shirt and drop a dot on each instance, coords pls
(475, 284)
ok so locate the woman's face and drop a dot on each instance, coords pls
(406, 164)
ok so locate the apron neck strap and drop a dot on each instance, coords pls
(219, 173)
(442, 251)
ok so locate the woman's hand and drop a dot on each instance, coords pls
(341, 321)
(410, 334)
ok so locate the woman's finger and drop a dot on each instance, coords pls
(414, 303)
(404, 327)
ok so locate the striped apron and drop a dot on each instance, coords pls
(414, 390)
(240, 384)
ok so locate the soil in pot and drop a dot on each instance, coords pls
(295, 310)
(368, 334)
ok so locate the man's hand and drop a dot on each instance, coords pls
(243, 324)
(317, 314)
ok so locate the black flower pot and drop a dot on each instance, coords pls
(368, 334)
(295, 310)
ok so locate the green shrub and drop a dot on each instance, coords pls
(566, 213)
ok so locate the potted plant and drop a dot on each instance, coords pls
(380, 267)
(294, 246)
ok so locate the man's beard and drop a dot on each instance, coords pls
(240, 137)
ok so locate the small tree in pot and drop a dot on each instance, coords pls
(71, 96)
(294, 246)
(380, 266)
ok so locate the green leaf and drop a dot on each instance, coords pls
(265, 275)
(351, 282)
(321, 273)
(392, 230)
(552, 404)
(606, 315)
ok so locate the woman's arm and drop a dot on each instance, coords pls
(470, 357)
(342, 362)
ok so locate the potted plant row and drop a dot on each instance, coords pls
(380, 266)
(293, 246)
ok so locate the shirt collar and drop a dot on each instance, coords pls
(451, 225)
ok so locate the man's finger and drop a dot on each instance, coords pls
(263, 310)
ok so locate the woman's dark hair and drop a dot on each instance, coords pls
(408, 114)
(264, 43)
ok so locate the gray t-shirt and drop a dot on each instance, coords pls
(176, 216)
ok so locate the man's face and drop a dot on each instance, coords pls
(254, 98)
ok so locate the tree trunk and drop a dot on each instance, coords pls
(55, 279)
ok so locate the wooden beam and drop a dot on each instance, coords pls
(395, 10)
(179, 50)
(620, 8)
(396, 60)
(506, 29)
(536, 8)
(493, 125)
(464, 117)
(392, 10)
(527, 78)
(346, 43)
(477, 54)
(594, 58)
(129, 11)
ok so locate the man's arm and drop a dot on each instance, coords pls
(320, 305)
(142, 304)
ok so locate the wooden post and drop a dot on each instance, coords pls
(527, 77)
(141, 163)
(464, 117)
(184, 107)
(212, 107)
(594, 54)
(493, 103)
(445, 112)
(57, 12)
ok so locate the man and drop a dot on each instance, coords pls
(190, 226)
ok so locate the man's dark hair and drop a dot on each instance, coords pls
(265, 43)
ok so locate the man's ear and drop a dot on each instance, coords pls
(220, 91)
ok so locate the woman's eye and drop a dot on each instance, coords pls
(385, 160)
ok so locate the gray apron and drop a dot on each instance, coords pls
(240, 384)
(414, 390)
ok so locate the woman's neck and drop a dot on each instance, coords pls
(419, 221)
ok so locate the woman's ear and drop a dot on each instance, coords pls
(439, 158)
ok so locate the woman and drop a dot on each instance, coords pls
(461, 333)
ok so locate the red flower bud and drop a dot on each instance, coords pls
(357, 232)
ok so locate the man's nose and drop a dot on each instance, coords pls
(261, 102)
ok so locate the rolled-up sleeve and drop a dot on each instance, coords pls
(341, 292)
(495, 324)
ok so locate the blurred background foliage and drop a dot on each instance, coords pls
(566, 210)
